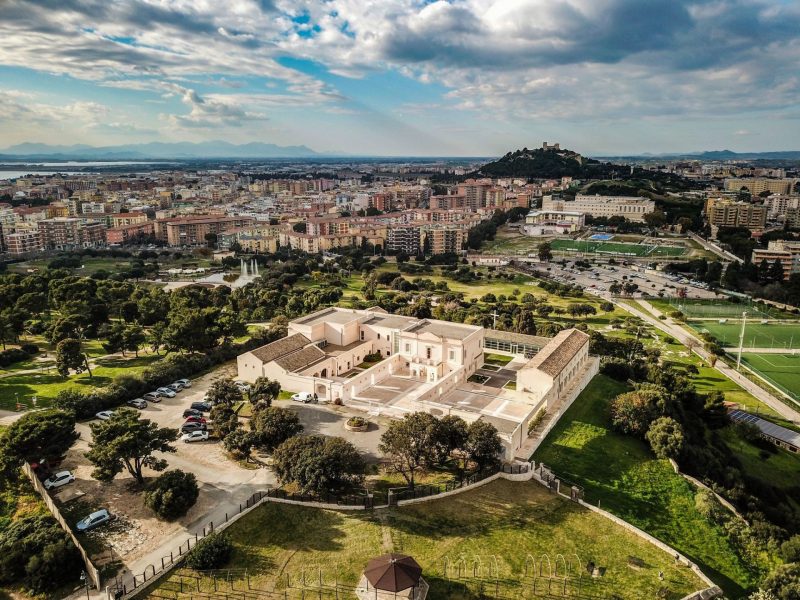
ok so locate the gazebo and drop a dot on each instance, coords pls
(390, 577)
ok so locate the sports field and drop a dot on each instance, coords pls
(615, 248)
(720, 308)
(782, 370)
(756, 334)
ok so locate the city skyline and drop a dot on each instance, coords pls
(474, 78)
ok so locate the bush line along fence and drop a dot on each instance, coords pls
(91, 570)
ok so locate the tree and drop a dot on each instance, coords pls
(263, 392)
(193, 330)
(369, 287)
(212, 552)
(449, 434)
(615, 288)
(408, 444)
(524, 322)
(274, 425)
(790, 549)
(40, 435)
(319, 465)
(715, 411)
(224, 391)
(655, 219)
(784, 582)
(157, 336)
(172, 494)
(127, 442)
(483, 445)
(224, 419)
(545, 251)
(70, 356)
(632, 412)
(666, 437)
(133, 337)
(211, 239)
(239, 443)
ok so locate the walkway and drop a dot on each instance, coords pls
(670, 327)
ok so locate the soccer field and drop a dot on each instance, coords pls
(782, 370)
(756, 335)
(720, 308)
(615, 248)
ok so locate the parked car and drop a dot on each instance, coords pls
(192, 412)
(104, 415)
(97, 518)
(184, 382)
(201, 406)
(242, 385)
(195, 419)
(194, 436)
(165, 391)
(58, 479)
(175, 386)
(152, 397)
(138, 403)
(189, 427)
(304, 397)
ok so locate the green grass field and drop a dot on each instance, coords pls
(496, 526)
(782, 370)
(622, 475)
(615, 248)
(719, 308)
(756, 334)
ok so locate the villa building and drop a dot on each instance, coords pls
(393, 365)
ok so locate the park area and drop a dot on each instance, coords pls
(616, 248)
(621, 474)
(504, 538)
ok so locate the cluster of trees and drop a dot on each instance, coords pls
(486, 230)
(700, 269)
(421, 441)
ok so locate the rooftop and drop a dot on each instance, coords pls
(768, 428)
(329, 315)
(281, 347)
(443, 329)
(300, 359)
(390, 321)
(558, 352)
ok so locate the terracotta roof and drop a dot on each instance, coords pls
(300, 359)
(558, 352)
(281, 347)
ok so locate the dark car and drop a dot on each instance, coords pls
(201, 406)
(189, 427)
(192, 412)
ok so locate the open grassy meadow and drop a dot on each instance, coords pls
(488, 535)
(621, 474)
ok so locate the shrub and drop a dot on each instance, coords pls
(31, 349)
(172, 494)
(212, 552)
(12, 355)
(790, 549)
(356, 422)
(319, 465)
(666, 437)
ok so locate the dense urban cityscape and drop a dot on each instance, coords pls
(296, 302)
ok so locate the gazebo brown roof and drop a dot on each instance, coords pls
(393, 572)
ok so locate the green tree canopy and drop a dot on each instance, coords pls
(274, 425)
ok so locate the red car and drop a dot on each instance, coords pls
(194, 420)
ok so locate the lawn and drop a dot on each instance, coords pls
(499, 524)
(500, 360)
(621, 475)
(782, 370)
(46, 384)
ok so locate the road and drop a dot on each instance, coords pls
(670, 327)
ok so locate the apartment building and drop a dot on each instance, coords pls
(724, 212)
(124, 219)
(130, 231)
(404, 238)
(474, 192)
(444, 239)
(778, 205)
(69, 233)
(192, 231)
(633, 208)
(786, 251)
(23, 242)
(757, 185)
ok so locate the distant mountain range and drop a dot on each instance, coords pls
(715, 155)
(154, 150)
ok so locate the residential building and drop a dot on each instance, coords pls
(124, 233)
(786, 251)
(69, 233)
(757, 185)
(23, 242)
(724, 212)
(193, 232)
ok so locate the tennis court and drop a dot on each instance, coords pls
(615, 248)
(756, 334)
(782, 370)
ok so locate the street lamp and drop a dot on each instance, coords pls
(85, 582)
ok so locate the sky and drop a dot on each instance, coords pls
(404, 77)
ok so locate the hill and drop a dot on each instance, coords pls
(550, 163)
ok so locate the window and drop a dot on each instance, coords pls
(362, 335)
(379, 336)
(408, 347)
(452, 354)
(428, 352)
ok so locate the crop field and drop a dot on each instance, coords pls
(782, 370)
(616, 248)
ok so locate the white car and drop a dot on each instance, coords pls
(304, 397)
(58, 479)
(184, 382)
(194, 436)
(165, 391)
(105, 415)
